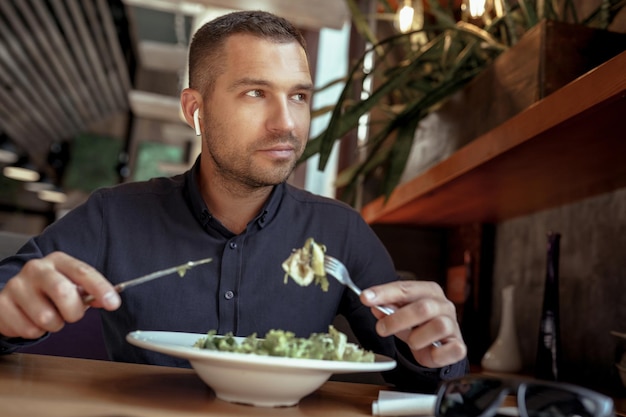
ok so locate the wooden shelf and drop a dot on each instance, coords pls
(569, 146)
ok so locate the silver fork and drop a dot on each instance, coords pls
(337, 269)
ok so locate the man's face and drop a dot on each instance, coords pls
(256, 120)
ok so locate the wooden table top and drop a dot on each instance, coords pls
(52, 386)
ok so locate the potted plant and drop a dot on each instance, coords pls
(415, 76)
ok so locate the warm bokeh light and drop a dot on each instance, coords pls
(476, 8)
(405, 18)
(55, 196)
(20, 174)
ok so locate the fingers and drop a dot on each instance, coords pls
(417, 303)
(451, 351)
(14, 322)
(44, 296)
(402, 292)
(89, 281)
(423, 316)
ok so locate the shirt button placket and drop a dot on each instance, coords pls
(227, 301)
(230, 294)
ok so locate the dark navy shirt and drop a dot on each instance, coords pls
(136, 228)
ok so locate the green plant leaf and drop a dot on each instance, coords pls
(361, 22)
(322, 111)
(343, 120)
(399, 155)
(604, 14)
(530, 13)
(412, 80)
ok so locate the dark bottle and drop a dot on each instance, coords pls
(468, 307)
(547, 363)
(469, 320)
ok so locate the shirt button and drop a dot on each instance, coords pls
(233, 245)
(229, 295)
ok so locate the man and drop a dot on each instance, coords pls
(250, 91)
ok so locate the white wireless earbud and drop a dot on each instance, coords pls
(196, 122)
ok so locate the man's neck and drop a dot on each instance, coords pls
(234, 205)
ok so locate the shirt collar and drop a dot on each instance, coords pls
(204, 216)
(269, 211)
(194, 198)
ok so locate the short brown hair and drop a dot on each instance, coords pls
(208, 42)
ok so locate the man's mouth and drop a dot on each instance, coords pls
(280, 152)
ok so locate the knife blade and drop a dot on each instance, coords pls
(181, 269)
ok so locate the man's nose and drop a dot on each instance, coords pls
(282, 117)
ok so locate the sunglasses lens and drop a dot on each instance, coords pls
(542, 401)
(468, 398)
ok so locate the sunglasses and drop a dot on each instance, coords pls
(482, 396)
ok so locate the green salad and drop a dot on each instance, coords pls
(332, 346)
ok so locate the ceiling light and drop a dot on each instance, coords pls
(54, 195)
(47, 190)
(44, 183)
(8, 152)
(22, 170)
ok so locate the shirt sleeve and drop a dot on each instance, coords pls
(368, 270)
(57, 236)
(12, 344)
(424, 379)
(408, 375)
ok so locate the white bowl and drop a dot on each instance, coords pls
(264, 381)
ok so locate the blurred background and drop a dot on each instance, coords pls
(89, 93)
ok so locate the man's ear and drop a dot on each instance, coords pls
(191, 105)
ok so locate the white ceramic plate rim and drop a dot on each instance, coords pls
(180, 344)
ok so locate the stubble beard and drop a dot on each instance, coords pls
(238, 169)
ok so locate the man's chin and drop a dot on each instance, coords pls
(273, 179)
(278, 171)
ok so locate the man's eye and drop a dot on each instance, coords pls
(255, 93)
(300, 97)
